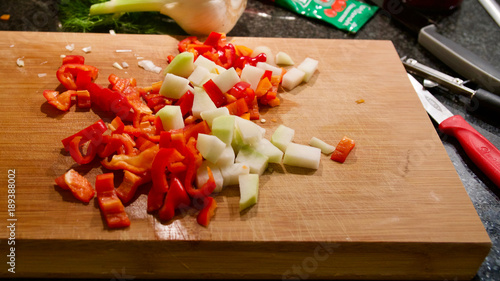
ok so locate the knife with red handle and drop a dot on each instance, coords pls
(481, 151)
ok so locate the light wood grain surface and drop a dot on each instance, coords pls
(396, 209)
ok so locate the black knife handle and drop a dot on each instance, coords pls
(460, 59)
(485, 99)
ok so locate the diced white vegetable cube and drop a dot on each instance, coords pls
(174, 86)
(223, 128)
(282, 136)
(232, 172)
(309, 66)
(276, 70)
(210, 115)
(182, 65)
(325, 148)
(201, 102)
(171, 117)
(302, 156)
(202, 175)
(210, 147)
(226, 80)
(226, 158)
(283, 59)
(252, 75)
(250, 132)
(206, 63)
(292, 78)
(266, 50)
(199, 76)
(249, 190)
(253, 159)
(265, 147)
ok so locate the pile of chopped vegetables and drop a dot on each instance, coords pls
(189, 135)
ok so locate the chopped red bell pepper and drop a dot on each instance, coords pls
(244, 60)
(136, 164)
(186, 102)
(83, 99)
(93, 133)
(68, 74)
(75, 147)
(164, 158)
(119, 143)
(193, 162)
(126, 190)
(192, 130)
(111, 207)
(227, 55)
(183, 44)
(214, 93)
(207, 212)
(59, 101)
(79, 186)
(238, 108)
(73, 59)
(176, 198)
(242, 90)
(215, 39)
(342, 150)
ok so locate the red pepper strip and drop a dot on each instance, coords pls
(343, 149)
(267, 74)
(111, 207)
(214, 93)
(136, 164)
(79, 186)
(117, 126)
(244, 60)
(142, 143)
(254, 110)
(160, 185)
(200, 48)
(242, 90)
(183, 44)
(109, 100)
(93, 132)
(227, 55)
(207, 212)
(239, 107)
(186, 102)
(83, 99)
(119, 143)
(73, 59)
(215, 39)
(176, 198)
(192, 131)
(75, 152)
(193, 162)
(129, 185)
(59, 101)
(67, 74)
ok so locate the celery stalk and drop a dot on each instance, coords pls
(123, 6)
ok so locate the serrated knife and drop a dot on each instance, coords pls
(481, 151)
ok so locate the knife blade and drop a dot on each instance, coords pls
(458, 58)
(481, 151)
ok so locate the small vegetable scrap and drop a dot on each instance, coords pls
(187, 136)
(343, 149)
(5, 17)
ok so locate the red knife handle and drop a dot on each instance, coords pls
(482, 152)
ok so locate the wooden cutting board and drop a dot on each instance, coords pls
(396, 209)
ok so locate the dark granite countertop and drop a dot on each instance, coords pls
(470, 26)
